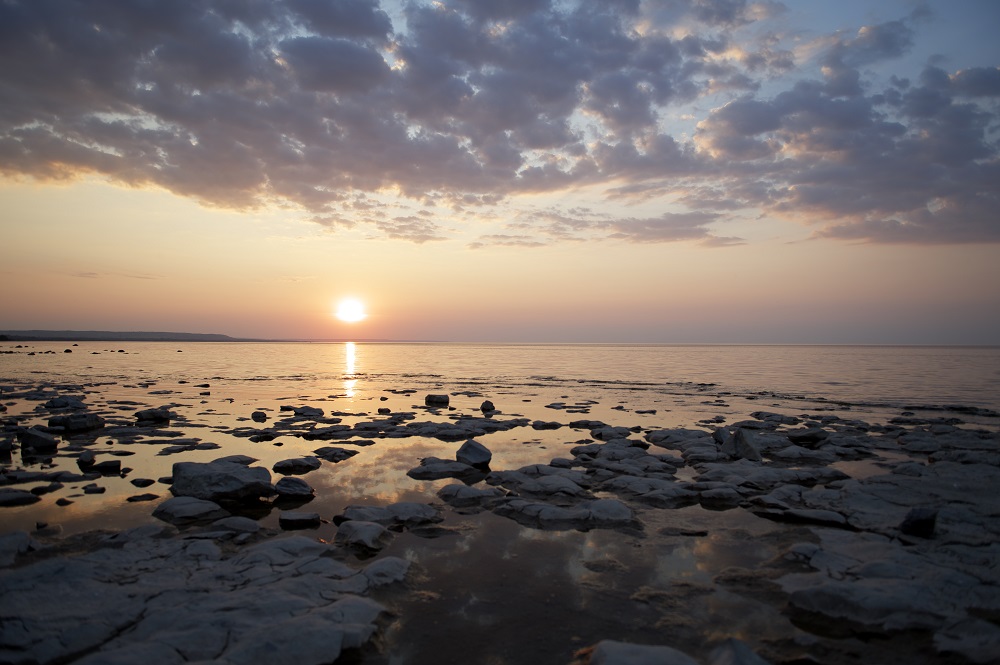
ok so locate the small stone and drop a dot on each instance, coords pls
(258, 416)
(94, 488)
(436, 400)
(487, 407)
(111, 466)
(142, 497)
(158, 415)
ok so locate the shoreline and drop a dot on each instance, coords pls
(661, 523)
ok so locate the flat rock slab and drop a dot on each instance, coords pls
(598, 513)
(404, 513)
(282, 600)
(221, 480)
(289, 519)
(296, 466)
(296, 488)
(14, 497)
(181, 510)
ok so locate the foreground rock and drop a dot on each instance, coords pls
(282, 600)
(183, 510)
(39, 441)
(221, 480)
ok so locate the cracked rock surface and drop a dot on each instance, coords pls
(147, 596)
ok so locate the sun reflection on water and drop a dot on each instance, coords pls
(350, 363)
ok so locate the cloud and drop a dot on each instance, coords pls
(313, 105)
(410, 228)
(506, 240)
(327, 64)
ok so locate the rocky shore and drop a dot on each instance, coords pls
(863, 541)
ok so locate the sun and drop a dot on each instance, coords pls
(350, 310)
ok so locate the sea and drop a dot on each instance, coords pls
(892, 377)
(483, 582)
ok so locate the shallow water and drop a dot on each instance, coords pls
(486, 585)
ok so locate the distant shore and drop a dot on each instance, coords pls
(117, 336)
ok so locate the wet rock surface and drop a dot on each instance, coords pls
(313, 606)
(887, 565)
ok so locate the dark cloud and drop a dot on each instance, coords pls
(325, 64)
(344, 18)
(466, 104)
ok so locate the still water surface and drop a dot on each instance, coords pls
(490, 590)
(864, 374)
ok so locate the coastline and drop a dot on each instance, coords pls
(628, 529)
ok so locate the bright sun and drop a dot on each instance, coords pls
(350, 310)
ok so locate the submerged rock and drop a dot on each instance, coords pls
(288, 519)
(363, 535)
(590, 514)
(404, 513)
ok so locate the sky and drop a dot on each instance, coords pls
(662, 171)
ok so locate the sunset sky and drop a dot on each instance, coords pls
(504, 171)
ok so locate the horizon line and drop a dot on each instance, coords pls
(42, 335)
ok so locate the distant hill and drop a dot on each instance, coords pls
(110, 336)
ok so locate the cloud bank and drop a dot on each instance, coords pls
(320, 104)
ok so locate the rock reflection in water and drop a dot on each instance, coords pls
(506, 593)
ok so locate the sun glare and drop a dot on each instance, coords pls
(350, 310)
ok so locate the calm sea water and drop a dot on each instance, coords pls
(896, 376)
(490, 586)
